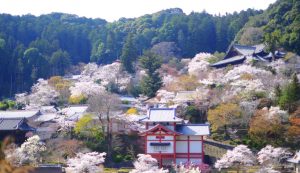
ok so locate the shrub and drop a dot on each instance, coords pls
(125, 102)
(7, 104)
(3, 106)
(259, 94)
(247, 76)
(132, 111)
(80, 99)
(117, 158)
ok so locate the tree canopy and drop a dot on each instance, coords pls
(32, 47)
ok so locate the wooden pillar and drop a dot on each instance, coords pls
(160, 160)
(174, 149)
(202, 150)
(146, 141)
(188, 149)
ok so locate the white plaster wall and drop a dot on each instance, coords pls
(195, 147)
(166, 138)
(181, 147)
(195, 137)
(152, 138)
(181, 137)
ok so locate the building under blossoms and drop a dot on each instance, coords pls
(170, 139)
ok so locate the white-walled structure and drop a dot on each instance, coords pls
(170, 140)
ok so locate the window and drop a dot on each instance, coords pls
(160, 148)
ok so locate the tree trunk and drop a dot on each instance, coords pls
(108, 137)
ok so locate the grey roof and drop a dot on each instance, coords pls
(229, 60)
(74, 109)
(18, 114)
(14, 124)
(128, 98)
(295, 159)
(74, 113)
(244, 50)
(162, 115)
(46, 117)
(193, 129)
(259, 48)
(182, 96)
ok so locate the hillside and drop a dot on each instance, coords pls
(278, 26)
(39, 47)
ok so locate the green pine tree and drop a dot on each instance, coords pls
(129, 54)
(152, 81)
(290, 94)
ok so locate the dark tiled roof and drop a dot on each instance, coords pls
(14, 124)
(245, 50)
(235, 59)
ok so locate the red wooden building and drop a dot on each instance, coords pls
(170, 139)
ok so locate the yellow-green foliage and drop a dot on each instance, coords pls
(78, 99)
(87, 127)
(59, 83)
(83, 123)
(132, 111)
(246, 76)
(223, 115)
(289, 56)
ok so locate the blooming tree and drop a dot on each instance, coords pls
(87, 88)
(103, 75)
(41, 94)
(270, 156)
(186, 169)
(65, 125)
(29, 152)
(199, 64)
(146, 164)
(86, 162)
(241, 155)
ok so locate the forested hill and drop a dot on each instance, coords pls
(34, 47)
(278, 26)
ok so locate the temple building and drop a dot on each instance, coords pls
(16, 128)
(237, 54)
(171, 140)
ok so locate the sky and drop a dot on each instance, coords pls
(112, 10)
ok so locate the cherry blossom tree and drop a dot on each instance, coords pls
(29, 152)
(199, 64)
(186, 169)
(41, 94)
(65, 126)
(146, 164)
(86, 163)
(269, 156)
(87, 88)
(104, 75)
(241, 155)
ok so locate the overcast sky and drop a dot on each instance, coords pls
(111, 10)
